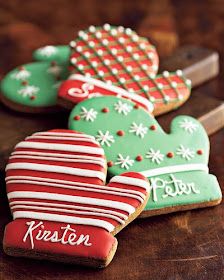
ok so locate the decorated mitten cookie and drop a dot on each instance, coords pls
(120, 59)
(60, 54)
(175, 163)
(33, 87)
(61, 207)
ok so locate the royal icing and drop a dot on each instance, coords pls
(59, 177)
(114, 61)
(60, 54)
(144, 147)
(33, 85)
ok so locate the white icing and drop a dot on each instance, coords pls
(56, 169)
(64, 134)
(42, 208)
(188, 125)
(88, 115)
(185, 153)
(104, 138)
(28, 90)
(130, 181)
(94, 188)
(172, 188)
(124, 162)
(115, 89)
(67, 206)
(74, 199)
(81, 93)
(175, 169)
(122, 107)
(155, 156)
(138, 129)
(67, 235)
(81, 139)
(60, 147)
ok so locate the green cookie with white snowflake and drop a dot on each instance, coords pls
(33, 87)
(59, 54)
(176, 163)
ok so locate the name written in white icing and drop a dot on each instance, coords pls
(171, 188)
(67, 235)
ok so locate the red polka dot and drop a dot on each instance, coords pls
(105, 110)
(53, 63)
(153, 127)
(110, 163)
(32, 97)
(24, 83)
(77, 118)
(120, 133)
(139, 158)
(170, 155)
(136, 106)
(199, 152)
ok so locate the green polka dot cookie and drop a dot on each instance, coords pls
(60, 54)
(33, 87)
(175, 163)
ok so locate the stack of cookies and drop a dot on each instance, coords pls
(62, 207)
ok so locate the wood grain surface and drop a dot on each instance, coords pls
(178, 246)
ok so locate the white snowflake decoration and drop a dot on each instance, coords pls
(88, 115)
(28, 91)
(47, 51)
(138, 130)
(185, 153)
(105, 138)
(122, 108)
(155, 156)
(55, 70)
(124, 162)
(188, 125)
(21, 75)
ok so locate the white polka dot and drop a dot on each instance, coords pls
(136, 56)
(92, 44)
(173, 84)
(166, 98)
(160, 86)
(155, 67)
(152, 76)
(135, 38)
(114, 32)
(144, 66)
(121, 29)
(109, 82)
(129, 68)
(128, 31)
(122, 80)
(114, 71)
(72, 44)
(106, 27)
(114, 51)
(105, 42)
(73, 60)
(166, 74)
(87, 54)
(101, 73)
(142, 46)
(98, 35)
(179, 73)
(79, 48)
(107, 62)
(131, 90)
(150, 55)
(92, 29)
(180, 97)
(121, 40)
(88, 75)
(146, 88)
(136, 77)
(152, 99)
(129, 48)
(94, 63)
(188, 82)
(80, 67)
(81, 33)
(100, 52)
(120, 58)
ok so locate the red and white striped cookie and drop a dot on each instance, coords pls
(61, 207)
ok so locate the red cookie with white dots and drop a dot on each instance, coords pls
(116, 61)
(61, 206)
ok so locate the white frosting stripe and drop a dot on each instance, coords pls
(73, 199)
(68, 206)
(61, 147)
(84, 213)
(56, 169)
(175, 169)
(61, 138)
(63, 219)
(58, 159)
(98, 189)
(131, 181)
(64, 134)
(120, 91)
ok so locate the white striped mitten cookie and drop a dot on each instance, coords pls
(62, 210)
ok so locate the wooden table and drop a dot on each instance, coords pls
(186, 245)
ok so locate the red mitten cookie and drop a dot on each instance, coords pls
(61, 207)
(125, 64)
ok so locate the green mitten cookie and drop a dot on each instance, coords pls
(175, 163)
(60, 54)
(33, 87)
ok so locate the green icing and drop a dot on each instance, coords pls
(59, 54)
(34, 84)
(187, 144)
